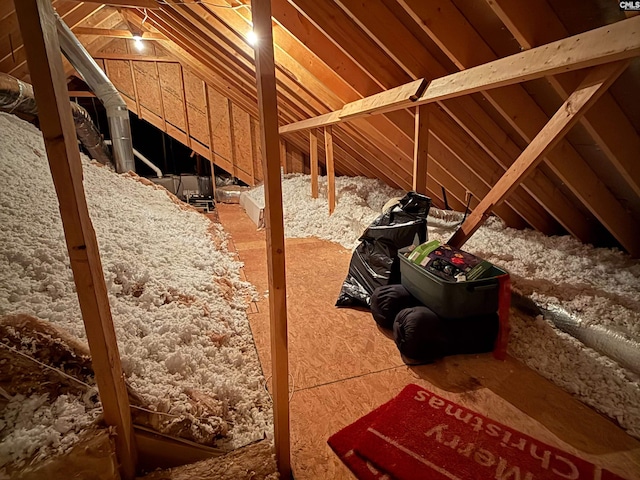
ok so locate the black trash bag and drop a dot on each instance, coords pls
(374, 262)
(423, 337)
(387, 301)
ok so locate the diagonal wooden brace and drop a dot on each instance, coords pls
(593, 86)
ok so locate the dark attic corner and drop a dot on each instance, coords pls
(260, 239)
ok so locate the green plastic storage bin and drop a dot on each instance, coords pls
(451, 299)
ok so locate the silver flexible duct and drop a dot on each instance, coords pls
(17, 96)
(117, 111)
(613, 344)
(602, 339)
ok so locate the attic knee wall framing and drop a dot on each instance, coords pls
(178, 102)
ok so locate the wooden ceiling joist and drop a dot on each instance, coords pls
(603, 45)
(115, 33)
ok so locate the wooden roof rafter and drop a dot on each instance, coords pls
(300, 103)
(598, 46)
(510, 99)
(343, 32)
(605, 121)
(478, 123)
(13, 60)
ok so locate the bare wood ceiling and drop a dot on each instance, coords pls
(329, 53)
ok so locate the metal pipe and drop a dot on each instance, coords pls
(117, 111)
(144, 160)
(17, 96)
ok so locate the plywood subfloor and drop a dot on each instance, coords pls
(343, 366)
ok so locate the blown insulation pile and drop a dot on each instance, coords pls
(599, 286)
(176, 297)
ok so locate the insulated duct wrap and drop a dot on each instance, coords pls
(17, 96)
(606, 341)
(611, 343)
(117, 111)
(89, 135)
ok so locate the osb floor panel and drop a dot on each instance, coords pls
(343, 366)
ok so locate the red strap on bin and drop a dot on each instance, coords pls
(504, 302)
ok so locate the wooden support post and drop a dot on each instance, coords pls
(594, 85)
(421, 149)
(313, 160)
(184, 107)
(159, 84)
(37, 25)
(268, 107)
(331, 171)
(283, 155)
(135, 89)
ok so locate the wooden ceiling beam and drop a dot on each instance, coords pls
(328, 18)
(153, 4)
(605, 121)
(511, 101)
(115, 33)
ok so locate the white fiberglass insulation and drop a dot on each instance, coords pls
(599, 286)
(176, 297)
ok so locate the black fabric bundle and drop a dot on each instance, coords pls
(421, 335)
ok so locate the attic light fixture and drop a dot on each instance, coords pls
(252, 38)
(138, 42)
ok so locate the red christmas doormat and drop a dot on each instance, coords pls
(419, 435)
